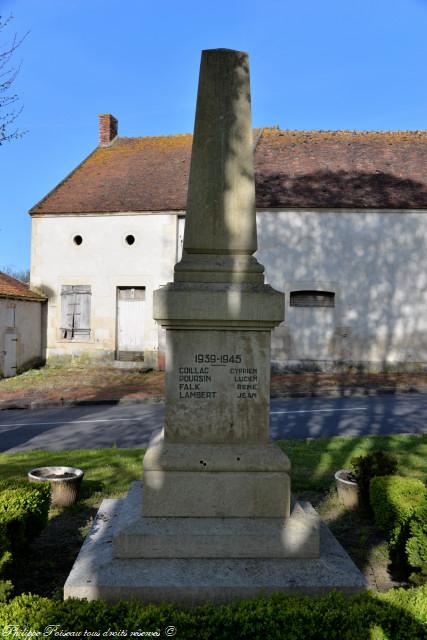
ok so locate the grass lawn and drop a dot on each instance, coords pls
(108, 473)
(314, 461)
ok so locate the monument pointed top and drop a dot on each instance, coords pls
(225, 50)
(221, 192)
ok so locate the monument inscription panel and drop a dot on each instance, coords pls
(196, 382)
(221, 382)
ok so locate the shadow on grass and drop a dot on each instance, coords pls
(45, 565)
(367, 545)
(315, 461)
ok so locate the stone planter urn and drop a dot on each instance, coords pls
(347, 488)
(64, 482)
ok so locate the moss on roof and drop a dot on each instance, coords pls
(292, 168)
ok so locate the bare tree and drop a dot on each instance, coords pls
(8, 72)
(20, 274)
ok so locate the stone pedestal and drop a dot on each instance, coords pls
(189, 581)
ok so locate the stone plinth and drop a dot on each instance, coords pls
(225, 481)
(191, 581)
(216, 536)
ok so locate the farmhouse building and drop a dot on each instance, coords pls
(342, 230)
(21, 322)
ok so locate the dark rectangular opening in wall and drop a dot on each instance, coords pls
(311, 298)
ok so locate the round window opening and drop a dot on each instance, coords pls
(77, 240)
(130, 239)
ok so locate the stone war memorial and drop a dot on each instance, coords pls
(213, 518)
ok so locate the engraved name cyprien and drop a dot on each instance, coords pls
(198, 380)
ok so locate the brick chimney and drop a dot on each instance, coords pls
(108, 128)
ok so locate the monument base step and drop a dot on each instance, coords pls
(140, 536)
(96, 574)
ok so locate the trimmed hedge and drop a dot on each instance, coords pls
(416, 546)
(5, 557)
(394, 499)
(400, 614)
(24, 510)
(400, 508)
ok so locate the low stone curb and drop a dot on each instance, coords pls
(51, 404)
(309, 393)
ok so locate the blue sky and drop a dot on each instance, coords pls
(314, 65)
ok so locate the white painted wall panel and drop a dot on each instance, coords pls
(104, 261)
(22, 319)
(374, 261)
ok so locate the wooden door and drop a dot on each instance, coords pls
(10, 341)
(130, 323)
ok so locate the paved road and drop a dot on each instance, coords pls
(134, 425)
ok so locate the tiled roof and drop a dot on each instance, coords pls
(13, 288)
(327, 169)
(348, 169)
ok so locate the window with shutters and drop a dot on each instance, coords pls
(75, 312)
(310, 298)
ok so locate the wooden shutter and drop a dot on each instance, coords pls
(75, 311)
(66, 311)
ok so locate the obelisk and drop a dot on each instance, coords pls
(212, 519)
(216, 459)
(215, 483)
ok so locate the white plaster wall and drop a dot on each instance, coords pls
(375, 261)
(104, 261)
(28, 319)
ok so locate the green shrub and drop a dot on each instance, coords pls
(399, 614)
(5, 557)
(13, 484)
(364, 468)
(24, 512)
(5, 589)
(394, 500)
(416, 546)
